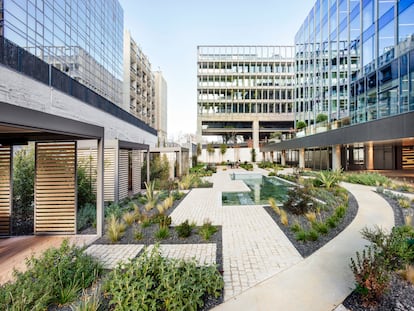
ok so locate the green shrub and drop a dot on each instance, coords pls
(332, 221)
(162, 233)
(394, 249)
(320, 227)
(56, 277)
(296, 227)
(151, 282)
(300, 125)
(404, 203)
(86, 216)
(298, 201)
(184, 229)
(162, 220)
(321, 117)
(207, 230)
(301, 235)
(371, 278)
(340, 212)
(312, 235)
(367, 178)
(327, 179)
(113, 209)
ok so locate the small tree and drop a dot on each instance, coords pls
(300, 125)
(321, 117)
(253, 155)
(223, 150)
(210, 149)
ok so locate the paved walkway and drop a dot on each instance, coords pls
(321, 281)
(254, 248)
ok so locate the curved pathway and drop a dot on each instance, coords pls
(323, 280)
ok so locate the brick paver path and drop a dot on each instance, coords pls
(254, 248)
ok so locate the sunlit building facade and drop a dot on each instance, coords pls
(244, 91)
(73, 36)
(353, 58)
(355, 65)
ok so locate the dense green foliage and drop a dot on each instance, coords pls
(58, 276)
(321, 117)
(388, 252)
(300, 125)
(23, 181)
(367, 178)
(85, 180)
(159, 171)
(151, 282)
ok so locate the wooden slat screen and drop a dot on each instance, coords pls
(55, 188)
(5, 193)
(109, 174)
(408, 157)
(123, 173)
(90, 155)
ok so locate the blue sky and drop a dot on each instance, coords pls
(168, 31)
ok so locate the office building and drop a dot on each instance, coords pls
(355, 64)
(244, 93)
(74, 36)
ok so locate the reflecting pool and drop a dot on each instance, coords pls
(261, 188)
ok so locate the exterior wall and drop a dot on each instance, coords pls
(244, 91)
(23, 91)
(139, 91)
(161, 108)
(353, 60)
(78, 37)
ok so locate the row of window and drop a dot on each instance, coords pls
(218, 108)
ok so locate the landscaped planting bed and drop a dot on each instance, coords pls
(315, 211)
(386, 279)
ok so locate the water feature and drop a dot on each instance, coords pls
(261, 188)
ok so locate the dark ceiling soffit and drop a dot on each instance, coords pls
(132, 146)
(390, 128)
(27, 118)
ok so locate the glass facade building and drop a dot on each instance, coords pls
(82, 38)
(244, 91)
(355, 60)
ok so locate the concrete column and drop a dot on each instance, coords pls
(283, 157)
(336, 157)
(100, 189)
(370, 156)
(148, 166)
(255, 129)
(302, 158)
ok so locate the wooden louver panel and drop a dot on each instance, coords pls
(123, 173)
(136, 171)
(408, 157)
(55, 188)
(5, 191)
(88, 157)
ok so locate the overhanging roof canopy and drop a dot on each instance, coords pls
(20, 125)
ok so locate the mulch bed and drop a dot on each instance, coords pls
(400, 294)
(149, 238)
(309, 247)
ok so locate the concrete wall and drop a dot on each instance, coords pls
(232, 155)
(19, 90)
